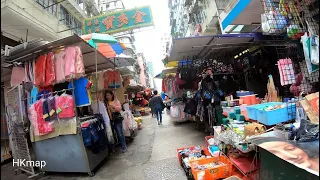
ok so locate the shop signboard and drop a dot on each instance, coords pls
(119, 21)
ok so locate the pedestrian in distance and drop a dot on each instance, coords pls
(157, 106)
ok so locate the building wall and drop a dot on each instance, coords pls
(41, 20)
(151, 74)
(142, 64)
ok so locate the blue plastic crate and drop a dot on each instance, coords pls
(277, 116)
(252, 110)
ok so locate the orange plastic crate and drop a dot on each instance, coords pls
(206, 152)
(219, 172)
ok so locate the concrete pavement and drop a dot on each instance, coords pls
(151, 155)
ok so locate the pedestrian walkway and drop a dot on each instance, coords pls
(151, 155)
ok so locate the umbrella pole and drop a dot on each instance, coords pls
(114, 74)
(96, 90)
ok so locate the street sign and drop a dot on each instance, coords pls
(119, 21)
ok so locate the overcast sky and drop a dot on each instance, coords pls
(149, 42)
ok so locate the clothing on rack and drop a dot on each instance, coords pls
(52, 107)
(112, 79)
(69, 58)
(59, 65)
(60, 87)
(43, 126)
(98, 107)
(81, 91)
(40, 70)
(79, 66)
(33, 95)
(94, 134)
(65, 106)
(50, 76)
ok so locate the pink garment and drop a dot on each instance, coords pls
(32, 115)
(79, 66)
(65, 104)
(59, 66)
(43, 127)
(17, 76)
(69, 59)
(116, 104)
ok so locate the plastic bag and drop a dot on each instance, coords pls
(175, 111)
(307, 131)
(17, 76)
(314, 50)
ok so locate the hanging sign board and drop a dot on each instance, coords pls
(119, 21)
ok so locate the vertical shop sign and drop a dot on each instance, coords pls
(119, 21)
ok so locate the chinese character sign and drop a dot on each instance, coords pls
(119, 21)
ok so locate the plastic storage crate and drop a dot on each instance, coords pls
(273, 117)
(206, 152)
(219, 172)
(253, 109)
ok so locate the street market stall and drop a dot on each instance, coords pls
(60, 108)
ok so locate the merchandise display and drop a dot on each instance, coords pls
(63, 116)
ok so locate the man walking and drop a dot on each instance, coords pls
(156, 105)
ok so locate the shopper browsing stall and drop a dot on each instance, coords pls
(114, 108)
(156, 106)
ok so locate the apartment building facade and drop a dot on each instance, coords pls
(25, 20)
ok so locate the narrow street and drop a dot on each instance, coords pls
(151, 155)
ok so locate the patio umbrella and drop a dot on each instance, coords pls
(100, 38)
(105, 44)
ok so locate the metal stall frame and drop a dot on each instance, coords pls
(67, 153)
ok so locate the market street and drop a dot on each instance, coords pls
(151, 155)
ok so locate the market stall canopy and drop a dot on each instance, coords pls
(135, 87)
(190, 47)
(126, 71)
(105, 44)
(88, 53)
(166, 72)
(172, 64)
(169, 70)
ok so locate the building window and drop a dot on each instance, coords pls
(70, 21)
(49, 5)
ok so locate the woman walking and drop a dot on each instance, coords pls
(114, 109)
(156, 105)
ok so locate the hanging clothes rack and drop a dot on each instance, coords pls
(68, 150)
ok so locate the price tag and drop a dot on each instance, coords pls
(58, 110)
(45, 116)
(52, 112)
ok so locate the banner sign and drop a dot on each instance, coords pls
(119, 21)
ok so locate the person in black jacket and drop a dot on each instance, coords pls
(156, 105)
